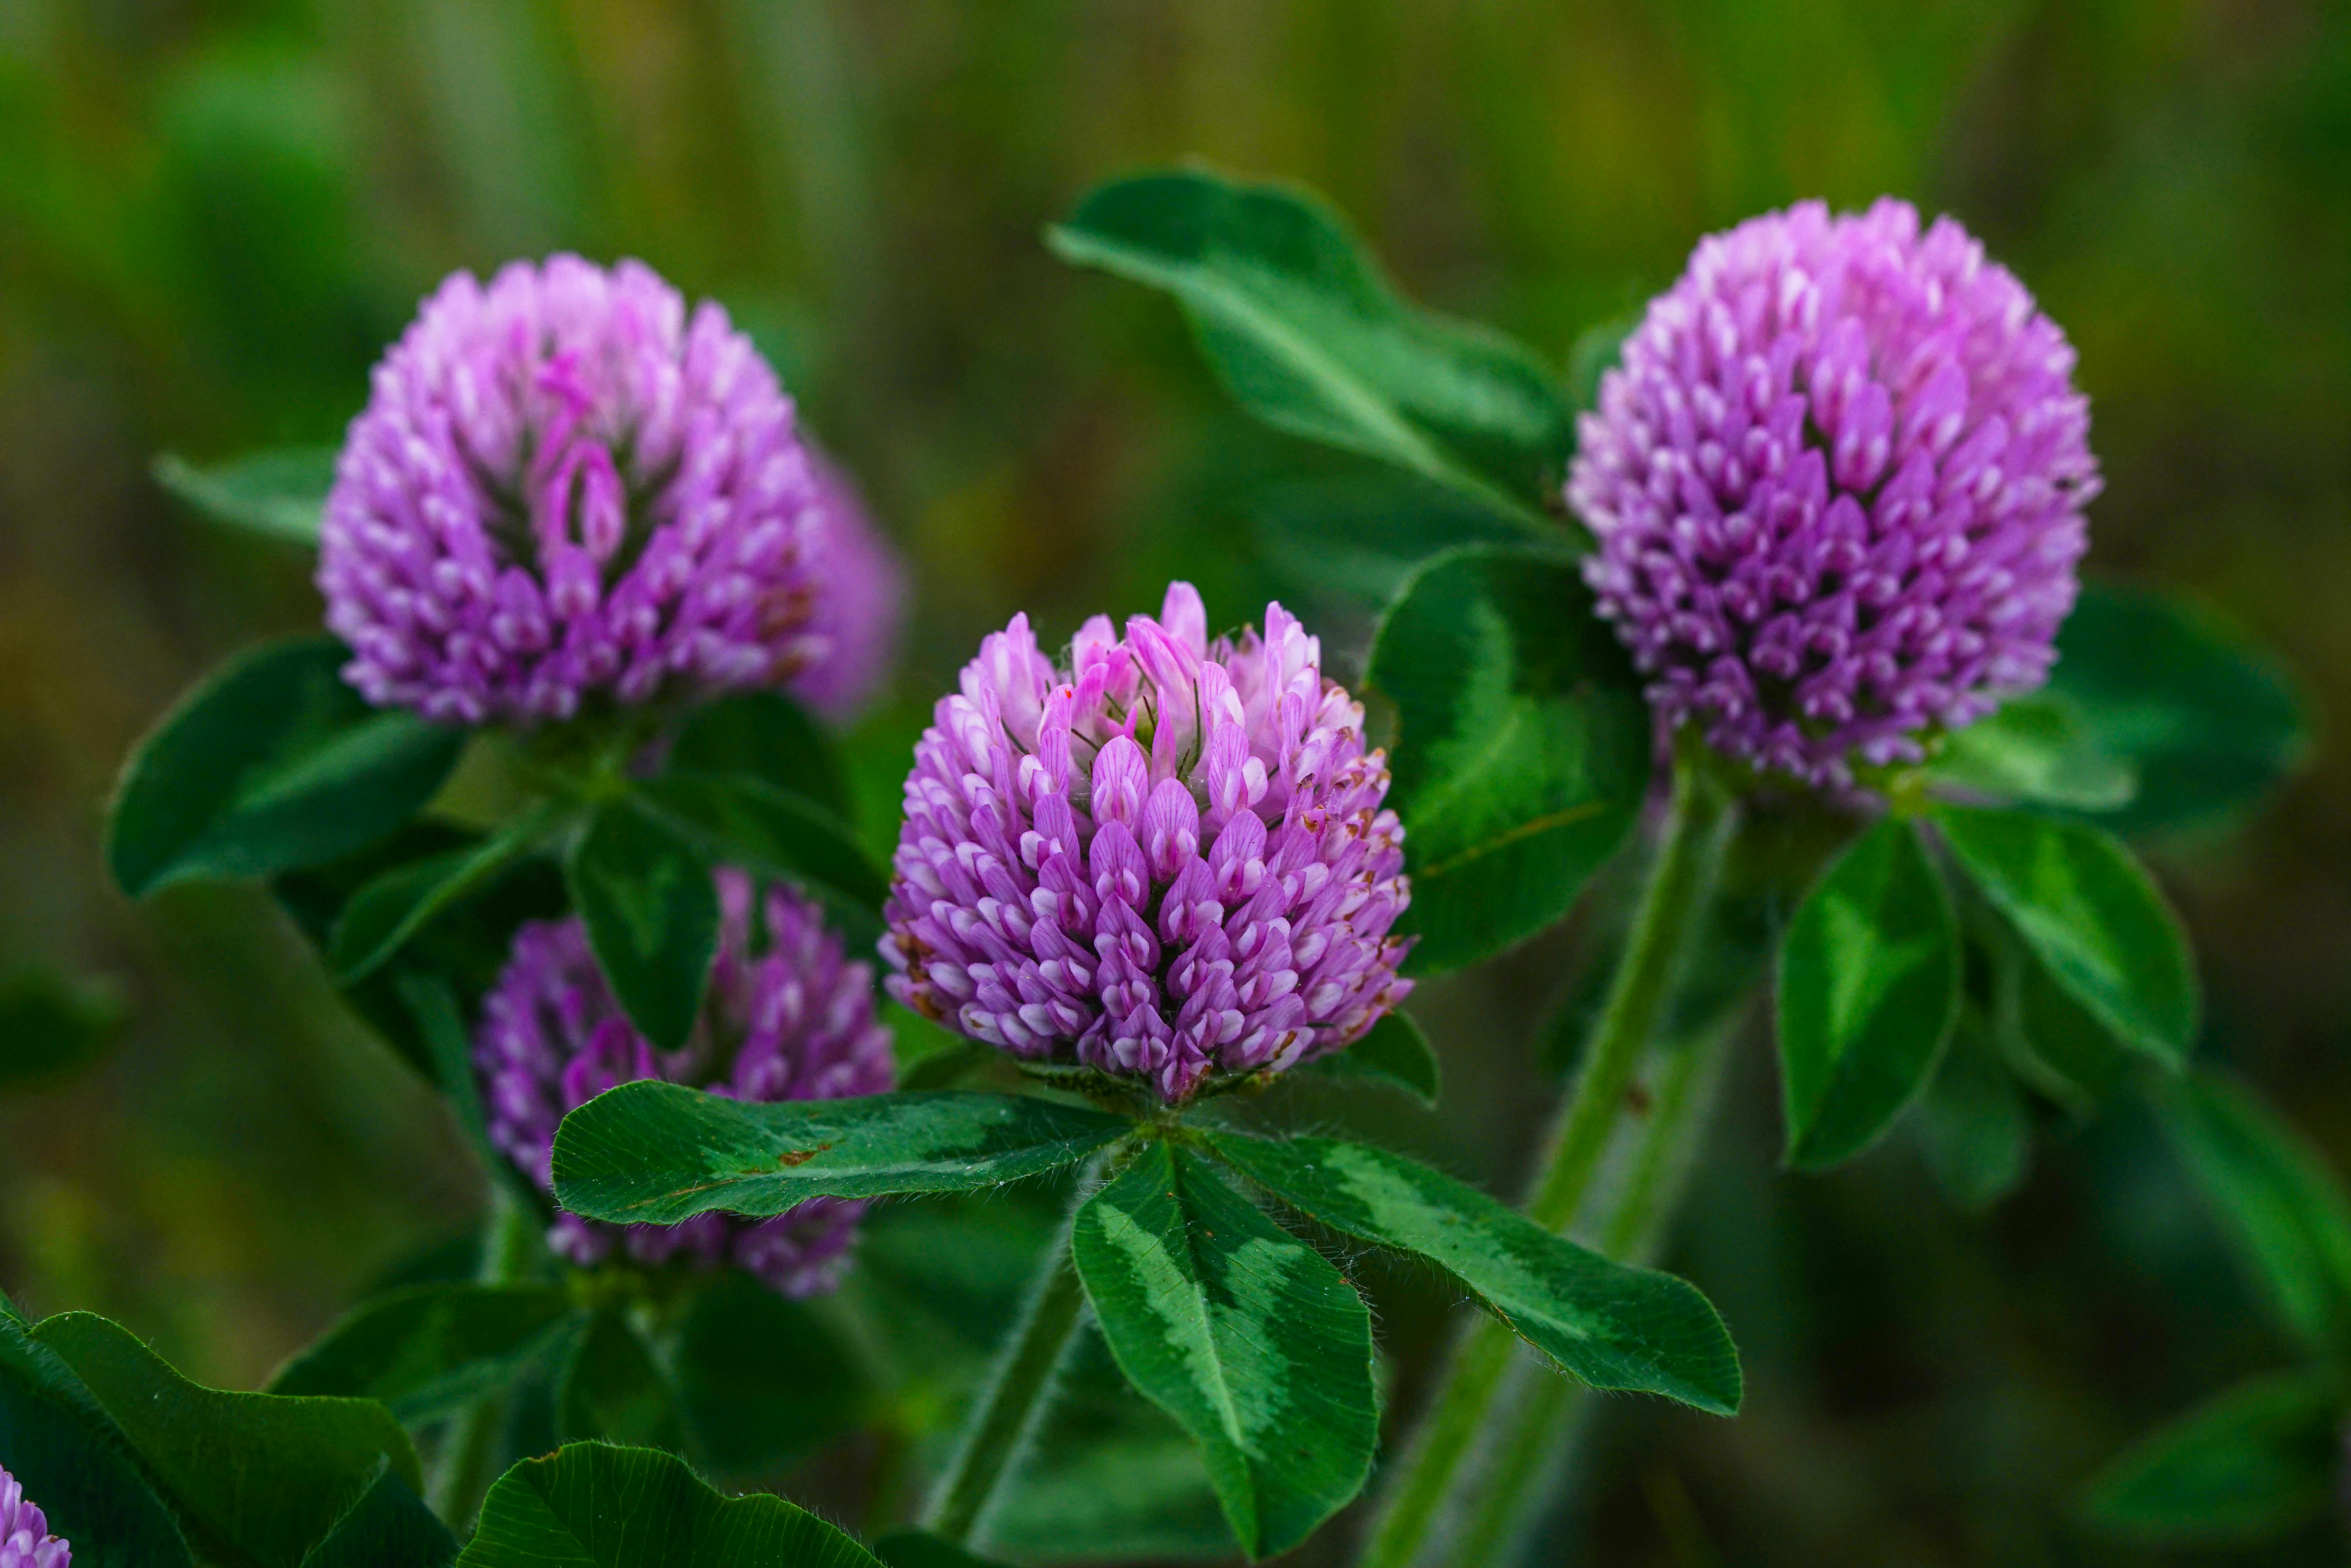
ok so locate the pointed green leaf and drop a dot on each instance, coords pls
(260, 1478)
(2254, 1463)
(2209, 725)
(272, 763)
(660, 1152)
(1605, 1324)
(651, 913)
(393, 907)
(1394, 1053)
(53, 1025)
(2279, 1203)
(280, 493)
(1868, 990)
(1304, 331)
(430, 1351)
(2037, 749)
(1522, 746)
(591, 1505)
(1973, 1121)
(1243, 1334)
(2092, 916)
(387, 1527)
(768, 736)
(746, 822)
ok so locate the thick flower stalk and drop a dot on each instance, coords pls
(25, 1538)
(566, 488)
(792, 1021)
(1163, 858)
(1837, 486)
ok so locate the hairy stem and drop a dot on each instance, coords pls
(1681, 883)
(1013, 1400)
(462, 1474)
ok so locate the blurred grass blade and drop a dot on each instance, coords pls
(53, 1025)
(1304, 331)
(1867, 992)
(1243, 1334)
(659, 1153)
(279, 493)
(1521, 752)
(2210, 724)
(2251, 1465)
(1608, 1325)
(2280, 1206)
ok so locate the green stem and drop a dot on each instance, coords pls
(1013, 1402)
(1513, 1477)
(510, 1241)
(1681, 881)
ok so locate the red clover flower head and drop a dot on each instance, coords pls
(1837, 486)
(1163, 857)
(793, 1021)
(25, 1538)
(565, 486)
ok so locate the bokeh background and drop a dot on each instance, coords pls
(212, 217)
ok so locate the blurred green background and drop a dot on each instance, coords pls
(213, 216)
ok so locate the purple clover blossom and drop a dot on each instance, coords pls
(795, 1021)
(25, 1538)
(1837, 486)
(1162, 858)
(566, 487)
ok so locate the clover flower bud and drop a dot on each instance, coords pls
(25, 1538)
(1837, 486)
(1161, 858)
(565, 486)
(792, 1022)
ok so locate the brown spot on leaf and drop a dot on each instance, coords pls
(791, 1157)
